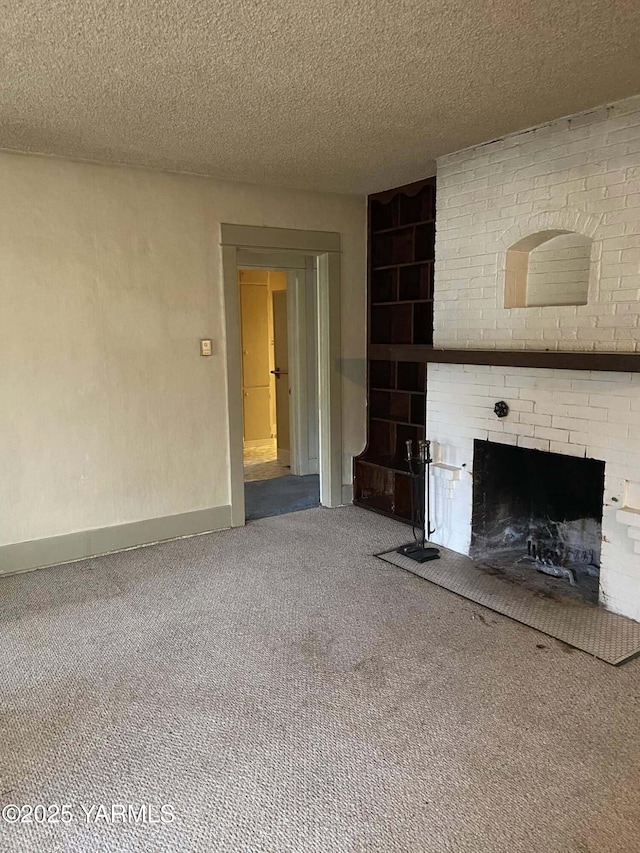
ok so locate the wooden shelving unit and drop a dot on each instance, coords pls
(401, 226)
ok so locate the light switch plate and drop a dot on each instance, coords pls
(206, 346)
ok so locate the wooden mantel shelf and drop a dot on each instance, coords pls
(618, 362)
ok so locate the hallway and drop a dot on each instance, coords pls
(261, 463)
(270, 488)
(281, 495)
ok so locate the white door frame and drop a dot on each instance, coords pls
(325, 247)
(297, 344)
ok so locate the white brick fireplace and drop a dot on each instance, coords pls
(575, 182)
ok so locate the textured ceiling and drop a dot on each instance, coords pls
(346, 95)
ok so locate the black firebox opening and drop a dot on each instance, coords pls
(543, 509)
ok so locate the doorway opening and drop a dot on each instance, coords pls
(278, 317)
(265, 370)
(316, 255)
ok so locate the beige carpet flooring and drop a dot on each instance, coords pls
(283, 690)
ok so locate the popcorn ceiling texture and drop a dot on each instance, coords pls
(350, 97)
(580, 174)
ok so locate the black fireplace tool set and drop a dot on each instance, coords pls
(419, 471)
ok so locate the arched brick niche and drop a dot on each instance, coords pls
(549, 267)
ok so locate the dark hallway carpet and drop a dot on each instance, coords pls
(281, 495)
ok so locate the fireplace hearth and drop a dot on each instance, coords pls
(536, 511)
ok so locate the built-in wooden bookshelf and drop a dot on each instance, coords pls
(400, 313)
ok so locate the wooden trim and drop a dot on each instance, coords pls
(69, 547)
(330, 379)
(233, 345)
(286, 240)
(279, 239)
(618, 362)
(408, 189)
(365, 505)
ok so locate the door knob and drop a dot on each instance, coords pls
(278, 373)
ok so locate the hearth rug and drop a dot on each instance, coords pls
(592, 629)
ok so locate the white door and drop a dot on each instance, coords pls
(281, 372)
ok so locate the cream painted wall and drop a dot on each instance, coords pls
(109, 276)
